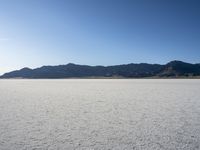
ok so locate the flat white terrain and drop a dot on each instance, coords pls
(100, 114)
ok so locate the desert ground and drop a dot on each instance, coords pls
(100, 114)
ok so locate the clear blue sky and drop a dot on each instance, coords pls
(97, 32)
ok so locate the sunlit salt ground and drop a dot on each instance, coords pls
(99, 114)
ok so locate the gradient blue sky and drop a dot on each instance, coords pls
(97, 32)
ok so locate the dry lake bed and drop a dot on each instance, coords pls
(100, 114)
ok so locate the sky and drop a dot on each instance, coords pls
(34, 33)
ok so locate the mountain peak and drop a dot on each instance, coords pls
(174, 62)
(25, 69)
(71, 64)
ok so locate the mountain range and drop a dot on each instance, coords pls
(172, 69)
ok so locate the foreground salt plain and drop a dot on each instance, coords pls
(100, 114)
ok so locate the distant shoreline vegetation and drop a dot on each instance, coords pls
(173, 69)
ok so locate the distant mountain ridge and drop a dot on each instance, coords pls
(171, 69)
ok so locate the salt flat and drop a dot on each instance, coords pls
(100, 114)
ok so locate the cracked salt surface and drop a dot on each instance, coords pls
(100, 114)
